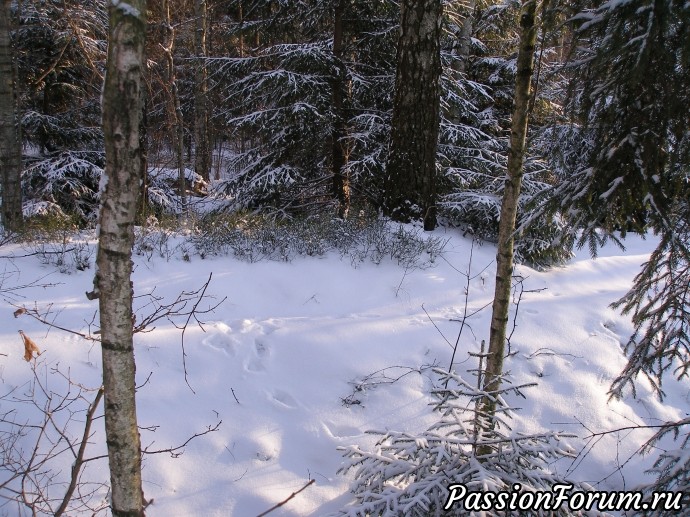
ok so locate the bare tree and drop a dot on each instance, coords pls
(410, 183)
(10, 139)
(504, 256)
(123, 95)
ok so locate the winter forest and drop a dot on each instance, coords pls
(344, 257)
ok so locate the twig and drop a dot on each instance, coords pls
(33, 470)
(6, 292)
(79, 461)
(480, 371)
(380, 377)
(463, 322)
(290, 497)
(233, 394)
(40, 252)
(38, 317)
(177, 308)
(520, 281)
(550, 352)
(438, 329)
(397, 290)
(173, 450)
(148, 378)
(184, 329)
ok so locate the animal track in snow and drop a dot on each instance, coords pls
(609, 325)
(340, 431)
(282, 399)
(222, 339)
(261, 349)
(255, 363)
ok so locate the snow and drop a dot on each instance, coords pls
(275, 363)
(127, 8)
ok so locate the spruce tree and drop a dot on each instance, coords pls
(624, 168)
(626, 160)
(60, 50)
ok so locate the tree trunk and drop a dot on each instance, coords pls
(175, 107)
(202, 149)
(240, 20)
(465, 37)
(506, 228)
(339, 154)
(410, 182)
(123, 95)
(10, 133)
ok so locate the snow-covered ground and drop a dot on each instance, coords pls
(278, 361)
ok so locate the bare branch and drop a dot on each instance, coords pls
(76, 468)
(42, 318)
(288, 499)
(174, 451)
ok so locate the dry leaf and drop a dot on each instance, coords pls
(29, 347)
(19, 312)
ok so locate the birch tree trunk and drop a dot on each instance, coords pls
(10, 136)
(123, 95)
(410, 181)
(506, 228)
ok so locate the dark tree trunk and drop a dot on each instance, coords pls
(339, 153)
(506, 228)
(10, 135)
(123, 96)
(202, 152)
(465, 37)
(175, 107)
(410, 182)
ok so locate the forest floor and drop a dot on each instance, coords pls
(305, 356)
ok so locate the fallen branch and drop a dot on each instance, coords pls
(289, 498)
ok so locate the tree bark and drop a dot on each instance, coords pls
(10, 132)
(509, 205)
(123, 95)
(465, 37)
(410, 182)
(202, 148)
(175, 107)
(339, 153)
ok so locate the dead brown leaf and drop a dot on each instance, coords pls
(19, 312)
(29, 347)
